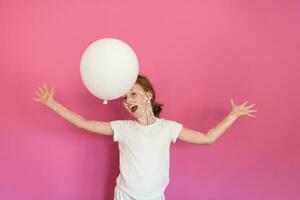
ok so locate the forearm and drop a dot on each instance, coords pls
(222, 126)
(68, 115)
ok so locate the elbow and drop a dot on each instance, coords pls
(210, 140)
(82, 124)
(205, 141)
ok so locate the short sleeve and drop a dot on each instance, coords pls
(174, 129)
(118, 128)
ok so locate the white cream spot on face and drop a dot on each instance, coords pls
(132, 99)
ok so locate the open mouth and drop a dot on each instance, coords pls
(133, 108)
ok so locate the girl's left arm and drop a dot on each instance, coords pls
(196, 137)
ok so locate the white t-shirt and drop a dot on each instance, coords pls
(144, 156)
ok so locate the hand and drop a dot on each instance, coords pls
(44, 96)
(242, 109)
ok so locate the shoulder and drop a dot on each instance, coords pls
(173, 128)
(170, 122)
(121, 122)
(120, 127)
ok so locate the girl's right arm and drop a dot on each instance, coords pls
(47, 98)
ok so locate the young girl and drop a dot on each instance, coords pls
(145, 141)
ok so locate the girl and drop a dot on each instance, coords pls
(145, 141)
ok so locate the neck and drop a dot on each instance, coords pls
(146, 119)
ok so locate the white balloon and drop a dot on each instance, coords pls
(109, 68)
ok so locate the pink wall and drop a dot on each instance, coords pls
(198, 55)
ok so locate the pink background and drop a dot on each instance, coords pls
(198, 54)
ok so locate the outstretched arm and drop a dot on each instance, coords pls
(99, 127)
(47, 97)
(194, 137)
(222, 126)
(213, 134)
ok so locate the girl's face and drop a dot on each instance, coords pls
(137, 101)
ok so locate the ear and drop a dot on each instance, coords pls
(149, 94)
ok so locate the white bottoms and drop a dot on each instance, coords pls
(121, 195)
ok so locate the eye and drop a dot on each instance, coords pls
(133, 94)
(124, 98)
